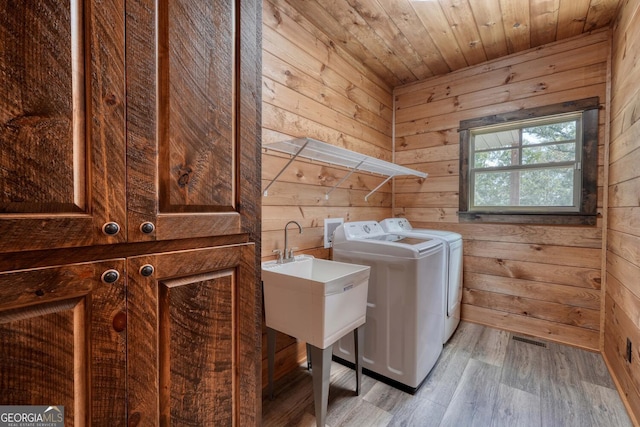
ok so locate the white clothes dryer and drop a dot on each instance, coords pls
(453, 264)
(404, 326)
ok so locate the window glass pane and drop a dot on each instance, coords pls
(492, 189)
(492, 159)
(537, 165)
(549, 153)
(533, 188)
(493, 140)
(565, 131)
(547, 187)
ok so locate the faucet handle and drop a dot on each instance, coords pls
(290, 254)
(278, 253)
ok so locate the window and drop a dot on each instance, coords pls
(531, 166)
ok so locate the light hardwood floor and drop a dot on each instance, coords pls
(483, 378)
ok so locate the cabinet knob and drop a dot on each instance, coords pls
(111, 228)
(147, 227)
(110, 276)
(146, 270)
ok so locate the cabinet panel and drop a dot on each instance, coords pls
(194, 129)
(62, 341)
(195, 322)
(62, 144)
(196, 349)
(196, 71)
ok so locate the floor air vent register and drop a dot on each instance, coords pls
(529, 341)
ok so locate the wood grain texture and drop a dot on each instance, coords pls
(206, 300)
(519, 61)
(191, 129)
(402, 41)
(555, 312)
(196, 349)
(560, 274)
(544, 22)
(472, 401)
(54, 310)
(196, 105)
(555, 281)
(492, 34)
(529, 289)
(62, 339)
(622, 297)
(316, 51)
(558, 332)
(317, 174)
(314, 87)
(515, 407)
(458, 13)
(525, 385)
(523, 365)
(38, 117)
(63, 145)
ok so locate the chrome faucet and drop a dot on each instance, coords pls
(288, 253)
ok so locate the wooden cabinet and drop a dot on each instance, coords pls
(184, 163)
(62, 121)
(193, 101)
(143, 114)
(63, 340)
(193, 322)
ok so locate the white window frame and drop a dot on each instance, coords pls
(520, 125)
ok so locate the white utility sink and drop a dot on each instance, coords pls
(315, 300)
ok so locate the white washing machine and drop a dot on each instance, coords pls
(404, 326)
(453, 262)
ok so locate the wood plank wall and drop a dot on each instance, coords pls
(312, 88)
(538, 280)
(622, 299)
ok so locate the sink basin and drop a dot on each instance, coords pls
(315, 300)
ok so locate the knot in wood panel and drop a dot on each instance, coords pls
(111, 99)
(540, 87)
(509, 78)
(119, 322)
(184, 175)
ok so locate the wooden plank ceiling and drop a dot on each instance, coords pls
(408, 40)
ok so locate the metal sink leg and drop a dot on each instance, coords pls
(321, 373)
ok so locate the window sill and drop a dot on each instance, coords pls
(529, 218)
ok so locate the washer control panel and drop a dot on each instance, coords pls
(395, 225)
(362, 230)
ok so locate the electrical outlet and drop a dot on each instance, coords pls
(330, 224)
(629, 350)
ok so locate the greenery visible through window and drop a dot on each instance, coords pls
(530, 166)
(540, 164)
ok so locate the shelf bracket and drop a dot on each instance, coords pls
(378, 187)
(293, 157)
(326, 195)
(315, 150)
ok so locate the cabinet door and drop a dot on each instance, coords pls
(62, 141)
(62, 341)
(193, 87)
(194, 338)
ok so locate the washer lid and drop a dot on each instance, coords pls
(371, 234)
(402, 226)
